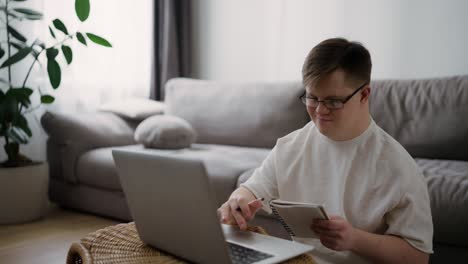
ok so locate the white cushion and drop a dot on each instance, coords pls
(134, 108)
(165, 132)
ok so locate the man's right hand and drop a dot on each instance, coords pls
(239, 209)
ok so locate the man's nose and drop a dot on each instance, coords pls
(321, 109)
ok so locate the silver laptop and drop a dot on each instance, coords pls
(174, 209)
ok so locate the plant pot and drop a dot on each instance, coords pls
(23, 193)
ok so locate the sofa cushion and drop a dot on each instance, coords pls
(165, 132)
(424, 115)
(96, 168)
(223, 164)
(242, 114)
(448, 190)
(446, 253)
(134, 108)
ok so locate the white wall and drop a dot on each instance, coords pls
(269, 39)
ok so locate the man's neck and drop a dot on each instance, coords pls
(356, 131)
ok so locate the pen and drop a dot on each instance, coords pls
(258, 199)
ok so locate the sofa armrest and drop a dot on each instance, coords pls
(73, 135)
(96, 129)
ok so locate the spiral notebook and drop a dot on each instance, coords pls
(297, 218)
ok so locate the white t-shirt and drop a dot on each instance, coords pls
(370, 180)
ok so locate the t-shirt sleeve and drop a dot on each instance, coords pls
(263, 183)
(411, 218)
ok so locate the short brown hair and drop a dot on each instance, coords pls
(337, 53)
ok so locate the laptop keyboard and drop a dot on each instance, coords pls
(243, 255)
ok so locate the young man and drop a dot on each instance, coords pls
(367, 181)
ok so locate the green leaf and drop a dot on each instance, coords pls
(20, 91)
(23, 124)
(21, 54)
(51, 32)
(9, 108)
(81, 38)
(47, 99)
(2, 52)
(14, 15)
(8, 111)
(98, 40)
(23, 91)
(28, 11)
(18, 45)
(58, 24)
(16, 34)
(17, 135)
(51, 53)
(21, 95)
(33, 17)
(27, 90)
(67, 52)
(7, 103)
(53, 69)
(82, 8)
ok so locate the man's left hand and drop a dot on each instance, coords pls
(336, 233)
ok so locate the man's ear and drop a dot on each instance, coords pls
(365, 94)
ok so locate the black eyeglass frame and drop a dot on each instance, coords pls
(303, 98)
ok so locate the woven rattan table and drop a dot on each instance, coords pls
(121, 244)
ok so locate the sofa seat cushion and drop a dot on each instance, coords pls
(448, 190)
(96, 168)
(223, 164)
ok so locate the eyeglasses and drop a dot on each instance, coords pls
(331, 104)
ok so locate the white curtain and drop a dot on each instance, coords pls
(97, 74)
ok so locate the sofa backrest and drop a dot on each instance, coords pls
(429, 117)
(242, 114)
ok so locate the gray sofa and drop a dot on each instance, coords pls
(237, 125)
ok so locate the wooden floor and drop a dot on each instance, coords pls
(47, 240)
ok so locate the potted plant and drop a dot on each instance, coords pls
(24, 182)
